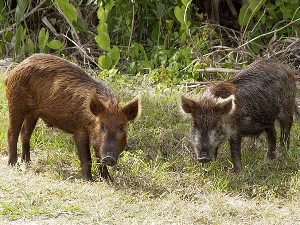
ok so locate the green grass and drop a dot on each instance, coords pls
(157, 179)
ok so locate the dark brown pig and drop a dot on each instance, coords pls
(245, 105)
(66, 97)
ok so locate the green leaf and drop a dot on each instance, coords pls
(29, 46)
(2, 18)
(81, 25)
(43, 39)
(178, 14)
(9, 36)
(2, 5)
(262, 17)
(269, 23)
(20, 10)
(102, 27)
(185, 2)
(55, 44)
(102, 14)
(68, 9)
(115, 54)
(255, 5)
(20, 33)
(103, 41)
(244, 16)
(105, 62)
(110, 5)
(70, 12)
(297, 16)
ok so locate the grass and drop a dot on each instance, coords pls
(157, 179)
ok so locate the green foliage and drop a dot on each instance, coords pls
(43, 40)
(269, 16)
(18, 48)
(68, 9)
(103, 40)
(20, 10)
(29, 46)
(167, 39)
(55, 44)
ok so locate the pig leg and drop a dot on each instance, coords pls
(16, 118)
(271, 137)
(103, 171)
(235, 147)
(216, 153)
(83, 148)
(286, 120)
(285, 133)
(26, 131)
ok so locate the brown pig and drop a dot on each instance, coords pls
(245, 105)
(64, 96)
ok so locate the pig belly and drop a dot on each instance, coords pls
(60, 122)
(251, 127)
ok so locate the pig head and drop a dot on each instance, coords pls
(209, 126)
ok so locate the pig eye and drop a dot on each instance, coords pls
(196, 124)
(214, 125)
(102, 127)
(121, 128)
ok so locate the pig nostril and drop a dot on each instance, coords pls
(109, 161)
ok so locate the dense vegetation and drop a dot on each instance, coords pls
(169, 39)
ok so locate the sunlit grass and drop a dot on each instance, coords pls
(157, 178)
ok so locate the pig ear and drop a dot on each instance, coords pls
(188, 105)
(96, 105)
(226, 106)
(132, 109)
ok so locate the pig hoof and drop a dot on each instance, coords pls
(235, 170)
(271, 156)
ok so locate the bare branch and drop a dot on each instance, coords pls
(265, 34)
(218, 70)
(82, 50)
(131, 32)
(69, 22)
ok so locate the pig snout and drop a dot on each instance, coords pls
(109, 159)
(204, 157)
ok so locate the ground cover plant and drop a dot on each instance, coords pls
(156, 180)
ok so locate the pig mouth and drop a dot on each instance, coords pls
(204, 159)
(109, 160)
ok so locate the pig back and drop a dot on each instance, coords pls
(56, 91)
(263, 90)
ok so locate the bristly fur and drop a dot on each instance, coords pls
(247, 104)
(63, 95)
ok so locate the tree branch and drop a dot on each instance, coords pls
(218, 70)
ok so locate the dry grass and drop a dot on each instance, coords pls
(28, 198)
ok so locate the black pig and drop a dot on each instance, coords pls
(245, 105)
